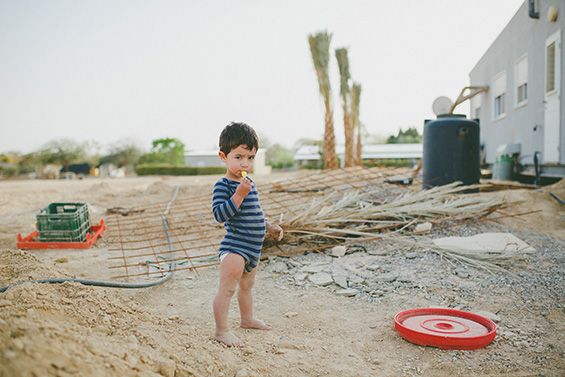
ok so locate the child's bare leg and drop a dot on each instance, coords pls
(231, 269)
(245, 299)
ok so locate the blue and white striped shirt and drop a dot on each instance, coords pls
(245, 226)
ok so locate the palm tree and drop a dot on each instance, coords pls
(355, 124)
(343, 64)
(320, 50)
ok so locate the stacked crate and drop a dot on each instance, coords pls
(63, 222)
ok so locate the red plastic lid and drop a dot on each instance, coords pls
(445, 328)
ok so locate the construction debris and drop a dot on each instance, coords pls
(123, 211)
(423, 228)
(338, 251)
(343, 206)
(487, 246)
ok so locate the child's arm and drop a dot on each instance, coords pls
(275, 230)
(241, 192)
(225, 207)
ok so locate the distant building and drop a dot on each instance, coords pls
(524, 108)
(200, 158)
(308, 154)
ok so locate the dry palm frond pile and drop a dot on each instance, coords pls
(361, 215)
(357, 213)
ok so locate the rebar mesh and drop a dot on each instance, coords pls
(139, 247)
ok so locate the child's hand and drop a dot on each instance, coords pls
(244, 188)
(275, 231)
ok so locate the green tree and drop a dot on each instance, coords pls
(279, 157)
(123, 154)
(62, 152)
(410, 136)
(165, 151)
(26, 163)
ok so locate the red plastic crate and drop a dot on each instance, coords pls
(30, 241)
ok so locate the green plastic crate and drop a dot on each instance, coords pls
(63, 222)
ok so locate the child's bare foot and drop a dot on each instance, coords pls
(229, 339)
(255, 324)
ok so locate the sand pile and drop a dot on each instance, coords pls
(536, 210)
(69, 329)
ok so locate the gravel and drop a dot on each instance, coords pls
(527, 302)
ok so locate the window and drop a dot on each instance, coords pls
(550, 69)
(521, 73)
(499, 109)
(522, 94)
(499, 95)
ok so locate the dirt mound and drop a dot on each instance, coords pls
(71, 329)
(159, 188)
(534, 210)
(19, 265)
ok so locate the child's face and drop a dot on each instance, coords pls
(238, 159)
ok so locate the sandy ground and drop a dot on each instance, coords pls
(74, 330)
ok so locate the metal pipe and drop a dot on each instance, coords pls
(532, 9)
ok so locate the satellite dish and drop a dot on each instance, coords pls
(442, 105)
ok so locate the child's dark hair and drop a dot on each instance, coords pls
(236, 134)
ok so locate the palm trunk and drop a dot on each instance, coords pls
(330, 157)
(343, 64)
(356, 125)
(320, 50)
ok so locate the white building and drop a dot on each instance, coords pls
(311, 153)
(523, 69)
(200, 158)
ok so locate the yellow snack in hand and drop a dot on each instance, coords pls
(244, 174)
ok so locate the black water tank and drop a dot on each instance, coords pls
(451, 150)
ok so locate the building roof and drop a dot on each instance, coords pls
(376, 151)
(201, 153)
(208, 153)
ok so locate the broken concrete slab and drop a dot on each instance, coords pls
(300, 276)
(277, 267)
(338, 251)
(505, 243)
(348, 292)
(379, 252)
(315, 268)
(340, 280)
(423, 228)
(321, 278)
(388, 277)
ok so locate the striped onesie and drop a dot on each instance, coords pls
(245, 226)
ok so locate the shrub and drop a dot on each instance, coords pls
(8, 171)
(390, 163)
(168, 169)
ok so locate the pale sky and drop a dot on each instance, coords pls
(141, 70)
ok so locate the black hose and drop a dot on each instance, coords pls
(113, 284)
(98, 283)
(537, 179)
